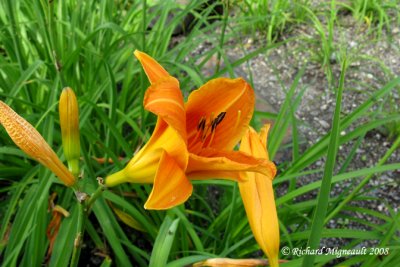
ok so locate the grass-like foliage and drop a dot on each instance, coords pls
(88, 46)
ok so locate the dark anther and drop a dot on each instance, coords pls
(213, 125)
(202, 124)
(219, 118)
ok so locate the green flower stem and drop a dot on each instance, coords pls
(99, 191)
(83, 213)
(79, 235)
(75, 187)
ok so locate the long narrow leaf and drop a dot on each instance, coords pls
(323, 196)
(162, 246)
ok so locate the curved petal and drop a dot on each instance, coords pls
(264, 137)
(233, 98)
(142, 168)
(251, 143)
(167, 138)
(164, 98)
(212, 163)
(171, 187)
(256, 145)
(153, 70)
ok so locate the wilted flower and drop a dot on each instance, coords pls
(27, 138)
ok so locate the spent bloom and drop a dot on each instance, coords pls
(29, 140)
(192, 140)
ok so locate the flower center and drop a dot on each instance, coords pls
(207, 127)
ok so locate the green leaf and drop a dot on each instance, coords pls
(162, 246)
(64, 242)
(323, 196)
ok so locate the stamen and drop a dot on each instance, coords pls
(207, 129)
(219, 118)
(211, 138)
(205, 133)
(238, 118)
(202, 124)
(200, 129)
(214, 125)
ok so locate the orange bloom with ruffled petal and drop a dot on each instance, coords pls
(192, 140)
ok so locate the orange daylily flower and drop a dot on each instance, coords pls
(29, 140)
(192, 140)
(258, 196)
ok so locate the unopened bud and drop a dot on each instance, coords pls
(69, 122)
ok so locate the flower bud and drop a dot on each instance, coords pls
(69, 122)
(258, 196)
(28, 139)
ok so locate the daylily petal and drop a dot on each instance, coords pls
(171, 186)
(232, 96)
(212, 162)
(153, 70)
(255, 144)
(263, 138)
(143, 166)
(166, 138)
(258, 198)
(164, 98)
